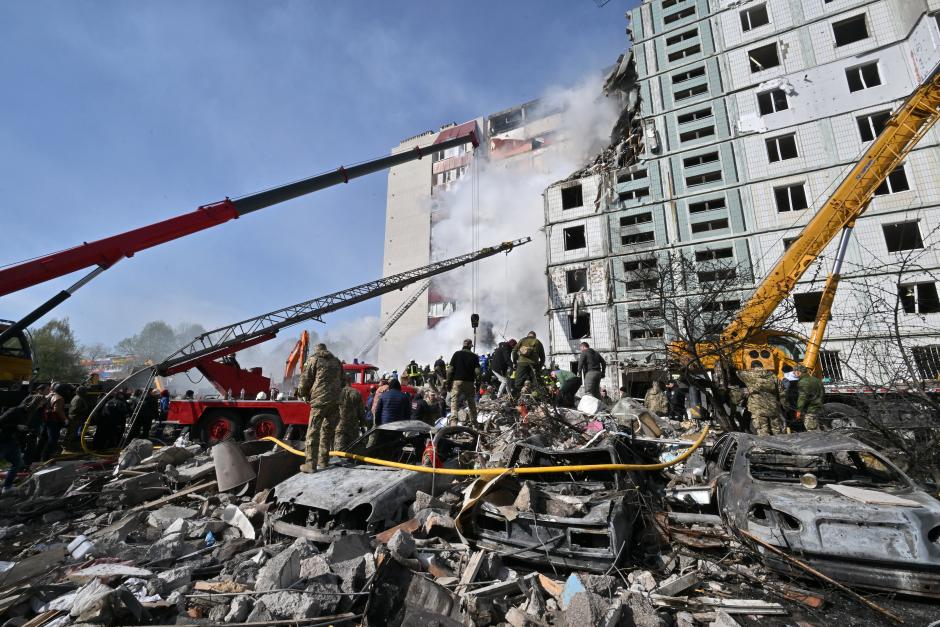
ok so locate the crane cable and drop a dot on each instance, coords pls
(491, 472)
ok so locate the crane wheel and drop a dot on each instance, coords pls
(267, 425)
(218, 427)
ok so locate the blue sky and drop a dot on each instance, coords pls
(117, 114)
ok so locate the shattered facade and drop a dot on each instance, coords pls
(738, 120)
(517, 138)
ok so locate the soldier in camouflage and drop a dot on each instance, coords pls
(809, 400)
(763, 401)
(352, 416)
(321, 384)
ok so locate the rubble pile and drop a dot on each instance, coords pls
(233, 534)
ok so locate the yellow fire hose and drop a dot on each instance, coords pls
(490, 472)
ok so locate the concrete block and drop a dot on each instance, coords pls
(402, 544)
(283, 570)
(313, 567)
(168, 514)
(239, 609)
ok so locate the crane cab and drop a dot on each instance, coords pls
(16, 367)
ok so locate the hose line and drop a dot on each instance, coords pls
(490, 472)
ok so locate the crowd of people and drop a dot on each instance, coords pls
(30, 432)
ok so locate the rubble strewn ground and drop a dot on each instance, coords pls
(150, 539)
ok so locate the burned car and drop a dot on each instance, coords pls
(577, 520)
(835, 503)
(353, 497)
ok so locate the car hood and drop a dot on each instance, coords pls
(339, 487)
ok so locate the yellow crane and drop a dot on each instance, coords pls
(745, 342)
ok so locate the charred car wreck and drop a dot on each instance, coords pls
(352, 497)
(834, 502)
(575, 520)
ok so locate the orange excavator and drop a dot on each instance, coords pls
(297, 357)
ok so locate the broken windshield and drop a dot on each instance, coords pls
(845, 467)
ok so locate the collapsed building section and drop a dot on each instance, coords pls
(736, 119)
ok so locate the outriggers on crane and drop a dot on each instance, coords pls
(16, 359)
(745, 342)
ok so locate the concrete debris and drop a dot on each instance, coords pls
(147, 542)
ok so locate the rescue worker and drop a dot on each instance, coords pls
(352, 415)
(675, 398)
(79, 409)
(36, 402)
(655, 400)
(379, 391)
(149, 410)
(809, 400)
(440, 373)
(14, 425)
(420, 409)
(55, 419)
(591, 368)
(529, 359)
(321, 382)
(414, 374)
(763, 401)
(501, 365)
(110, 423)
(568, 385)
(462, 373)
(394, 405)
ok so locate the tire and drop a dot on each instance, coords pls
(836, 415)
(218, 427)
(267, 425)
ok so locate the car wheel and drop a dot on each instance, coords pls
(267, 425)
(219, 427)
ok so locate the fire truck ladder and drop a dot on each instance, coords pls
(395, 317)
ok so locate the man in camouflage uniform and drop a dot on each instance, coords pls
(809, 400)
(352, 415)
(529, 359)
(763, 401)
(321, 383)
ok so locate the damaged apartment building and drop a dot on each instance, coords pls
(521, 139)
(739, 118)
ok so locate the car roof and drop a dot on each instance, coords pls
(406, 425)
(807, 443)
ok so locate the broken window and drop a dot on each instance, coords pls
(919, 298)
(927, 361)
(806, 305)
(685, 52)
(641, 334)
(580, 327)
(679, 15)
(571, 197)
(721, 274)
(871, 125)
(772, 101)
(831, 365)
(688, 75)
(699, 133)
(629, 177)
(790, 197)
(781, 148)
(850, 30)
(693, 116)
(639, 218)
(721, 305)
(634, 194)
(861, 468)
(707, 205)
(643, 314)
(708, 157)
(642, 284)
(710, 225)
(754, 17)
(702, 179)
(763, 58)
(894, 183)
(633, 265)
(863, 76)
(710, 254)
(637, 238)
(574, 238)
(683, 36)
(685, 94)
(576, 280)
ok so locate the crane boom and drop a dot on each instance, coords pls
(229, 339)
(108, 251)
(906, 126)
(392, 319)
